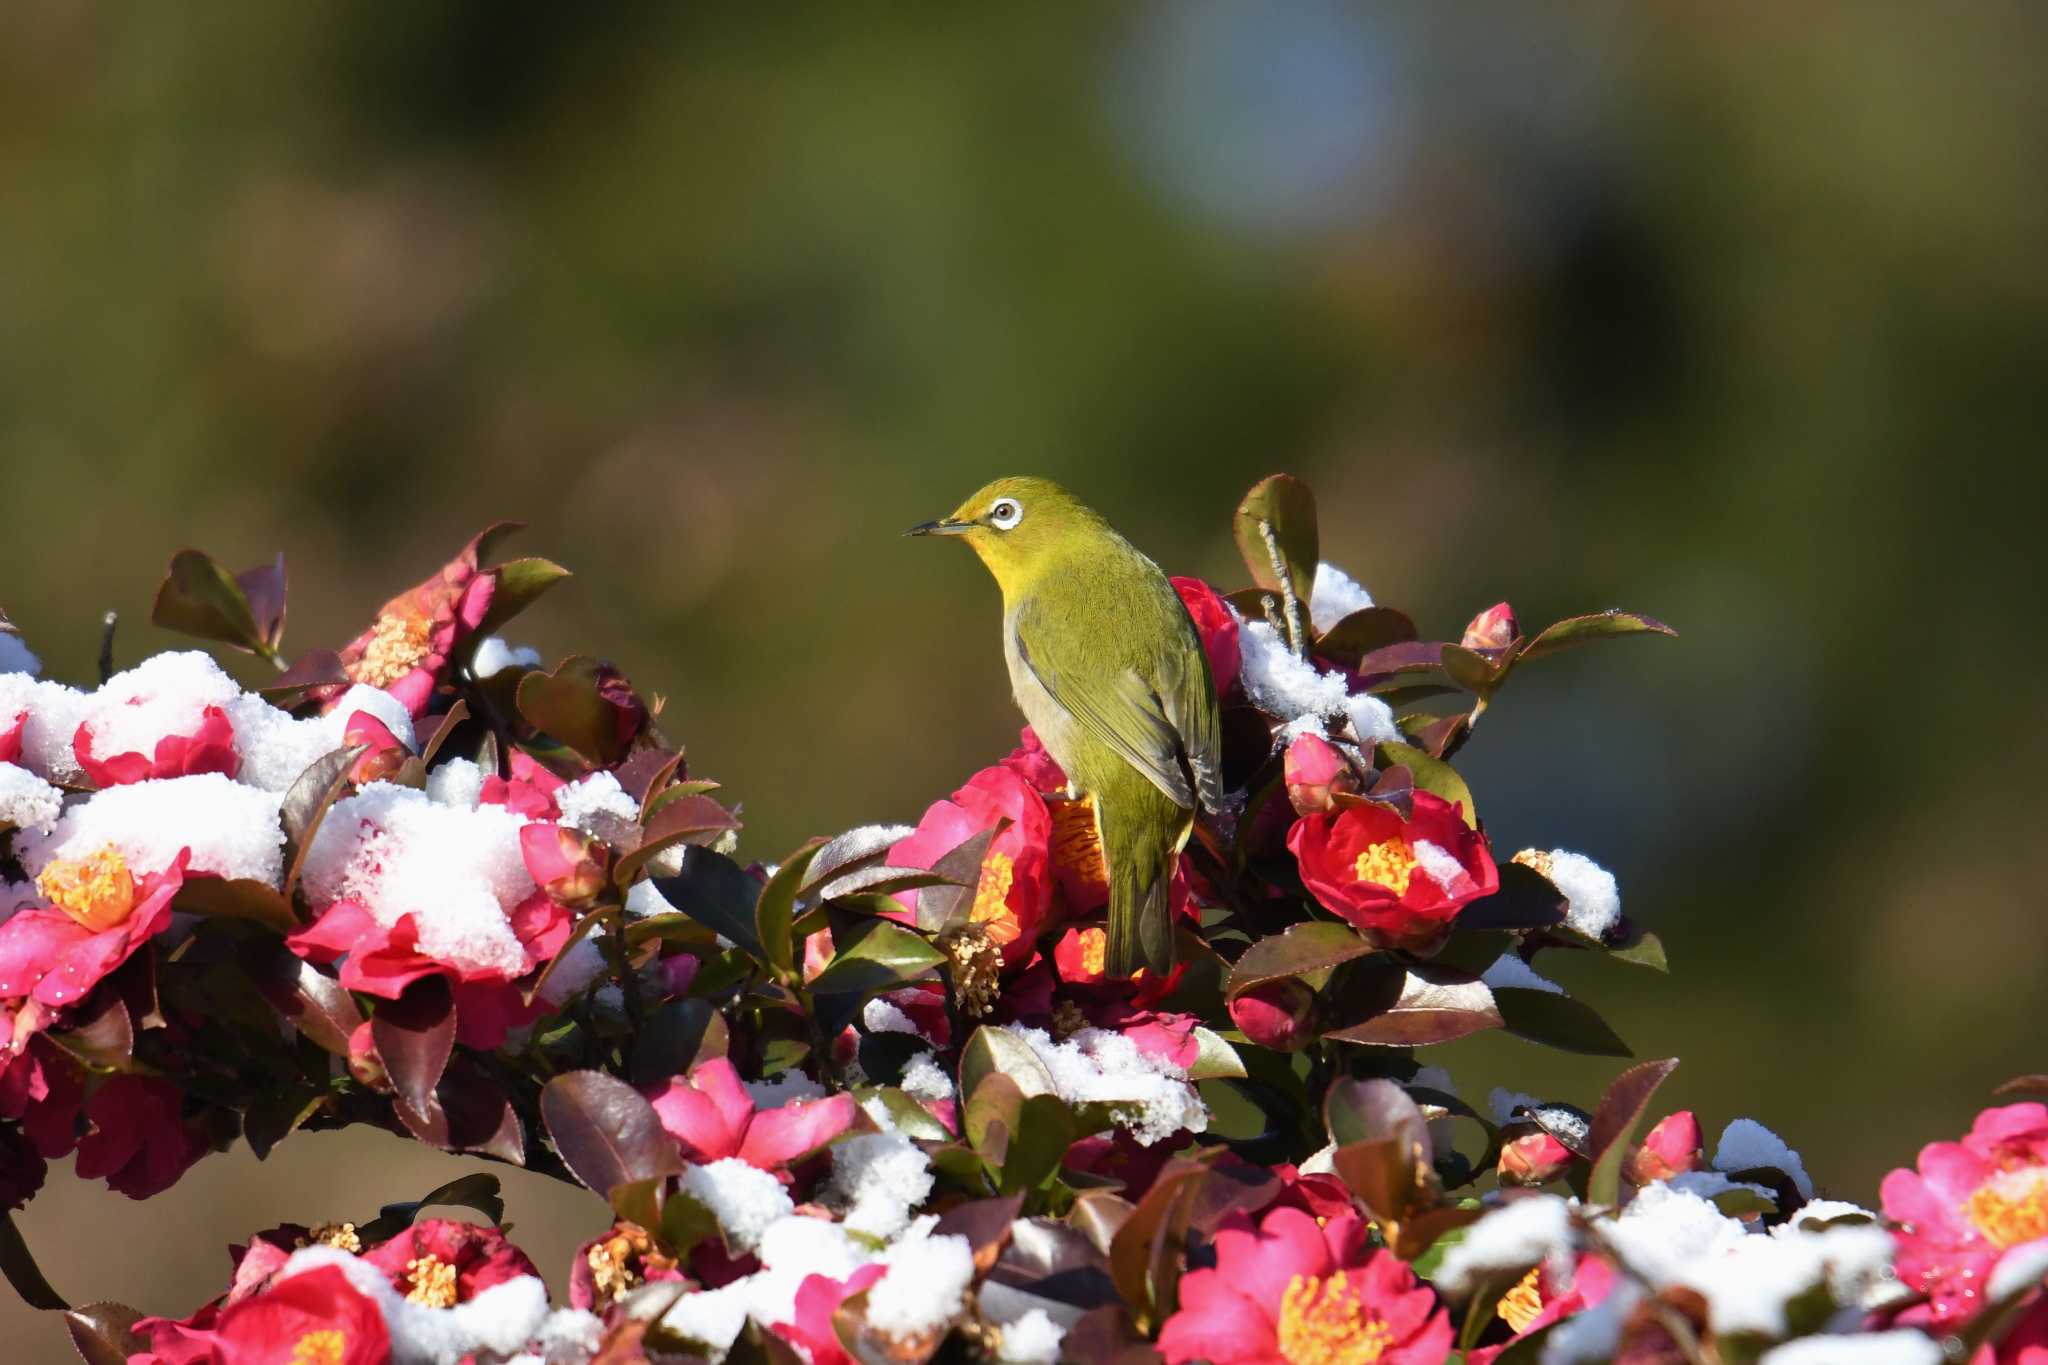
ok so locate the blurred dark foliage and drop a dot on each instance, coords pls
(1730, 314)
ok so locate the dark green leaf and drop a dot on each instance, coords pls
(948, 904)
(277, 1114)
(1578, 630)
(1432, 775)
(477, 1190)
(1643, 948)
(1525, 900)
(606, 1131)
(877, 955)
(521, 582)
(674, 1038)
(1557, 1021)
(1046, 1129)
(100, 1035)
(694, 820)
(992, 1050)
(719, 894)
(685, 1222)
(567, 706)
(991, 1116)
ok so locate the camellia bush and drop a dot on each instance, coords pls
(877, 1100)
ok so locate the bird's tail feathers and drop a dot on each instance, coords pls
(1140, 924)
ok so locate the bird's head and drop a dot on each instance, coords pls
(1018, 526)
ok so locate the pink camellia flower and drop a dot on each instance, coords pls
(1532, 1159)
(2025, 1343)
(10, 738)
(1494, 628)
(407, 649)
(1966, 1206)
(711, 1116)
(386, 756)
(569, 865)
(624, 1258)
(1400, 881)
(1545, 1296)
(1289, 1290)
(1320, 1194)
(817, 1298)
(99, 914)
(1672, 1148)
(1030, 761)
(530, 791)
(1217, 625)
(1277, 1014)
(440, 1262)
(1313, 771)
(208, 749)
(1015, 886)
(139, 1141)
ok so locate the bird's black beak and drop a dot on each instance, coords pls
(940, 528)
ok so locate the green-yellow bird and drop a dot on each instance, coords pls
(1108, 667)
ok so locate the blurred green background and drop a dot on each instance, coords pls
(1732, 314)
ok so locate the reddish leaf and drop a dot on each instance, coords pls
(1578, 630)
(1144, 1258)
(1303, 948)
(103, 1333)
(305, 806)
(2024, 1085)
(312, 1001)
(1614, 1125)
(606, 1131)
(101, 1035)
(263, 587)
(1363, 632)
(198, 597)
(686, 820)
(1415, 1007)
(236, 898)
(415, 1035)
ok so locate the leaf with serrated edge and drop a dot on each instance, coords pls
(606, 1131)
(1614, 1125)
(1579, 630)
(1302, 948)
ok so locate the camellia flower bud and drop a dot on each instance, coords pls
(1494, 628)
(1672, 1148)
(364, 1062)
(1532, 1159)
(569, 865)
(1315, 769)
(1277, 1014)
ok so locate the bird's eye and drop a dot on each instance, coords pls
(1005, 513)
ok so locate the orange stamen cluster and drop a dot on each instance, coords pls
(1520, 1305)
(1388, 863)
(432, 1280)
(96, 890)
(396, 646)
(322, 1346)
(1323, 1323)
(2011, 1208)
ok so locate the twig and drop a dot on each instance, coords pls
(493, 717)
(107, 624)
(1286, 582)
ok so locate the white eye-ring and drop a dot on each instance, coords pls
(1005, 513)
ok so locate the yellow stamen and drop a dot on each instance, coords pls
(396, 645)
(322, 1346)
(1094, 945)
(1388, 863)
(1322, 1323)
(341, 1236)
(2011, 1208)
(1520, 1305)
(1537, 860)
(991, 897)
(977, 967)
(433, 1282)
(95, 890)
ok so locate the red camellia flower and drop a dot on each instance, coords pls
(139, 1140)
(1277, 1014)
(208, 749)
(1967, 1205)
(99, 915)
(440, 1262)
(711, 1116)
(317, 1318)
(407, 649)
(566, 863)
(1544, 1296)
(10, 737)
(1217, 626)
(530, 791)
(1532, 1159)
(1400, 881)
(386, 756)
(1011, 897)
(1291, 1291)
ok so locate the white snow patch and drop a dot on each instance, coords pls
(54, 712)
(1858, 1348)
(1745, 1143)
(456, 872)
(924, 1287)
(1334, 596)
(1592, 897)
(878, 1178)
(1515, 1236)
(780, 1090)
(456, 782)
(276, 746)
(500, 1320)
(925, 1079)
(1509, 970)
(712, 1318)
(26, 800)
(880, 1016)
(493, 655)
(231, 829)
(165, 694)
(745, 1199)
(1033, 1339)
(2019, 1269)
(600, 807)
(1147, 1095)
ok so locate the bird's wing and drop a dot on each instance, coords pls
(1161, 725)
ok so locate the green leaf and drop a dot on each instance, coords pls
(1614, 1126)
(276, 1115)
(685, 1222)
(694, 820)
(478, 1190)
(878, 955)
(674, 1037)
(1432, 775)
(198, 597)
(1046, 1129)
(911, 1118)
(1557, 1021)
(567, 706)
(992, 1117)
(1303, 948)
(773, 912)
(1217, 1060)
(1644, 949)
(1579, 630)
(993, 1050)
(1275, 528)
(521, 583)
(638, 1201)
